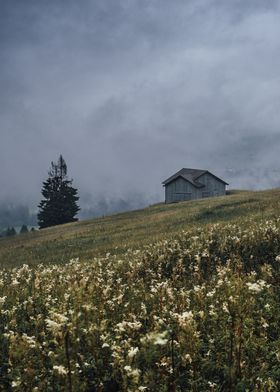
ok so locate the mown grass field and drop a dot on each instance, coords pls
(117, 233)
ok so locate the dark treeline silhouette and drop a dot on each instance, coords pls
(11, 231)
(15, 215)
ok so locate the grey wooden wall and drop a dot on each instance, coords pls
(180, 189)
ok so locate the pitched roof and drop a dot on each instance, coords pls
(192, 176)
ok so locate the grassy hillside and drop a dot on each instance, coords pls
(117, 233)
(197, 310)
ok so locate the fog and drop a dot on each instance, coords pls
(131, 91)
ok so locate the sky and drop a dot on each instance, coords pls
(131, 91)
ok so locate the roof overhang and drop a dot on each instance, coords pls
(217, 178)
(192, 177)
(194, 183)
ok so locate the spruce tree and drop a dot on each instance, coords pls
(24, 229)
(60, 198)
(11, 232)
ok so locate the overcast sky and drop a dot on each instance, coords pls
(130, 91)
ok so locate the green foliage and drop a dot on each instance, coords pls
(60, 198)
(198, 312)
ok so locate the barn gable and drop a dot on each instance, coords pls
(190, 184)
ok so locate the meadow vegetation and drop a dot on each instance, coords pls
(117, 233)
(196, 308)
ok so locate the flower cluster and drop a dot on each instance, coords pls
(199, 312)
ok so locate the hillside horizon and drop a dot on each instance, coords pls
(115, 233)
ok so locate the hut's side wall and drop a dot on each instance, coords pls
(181, 190)
(213, 187)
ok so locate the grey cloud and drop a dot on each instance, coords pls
(130, 91)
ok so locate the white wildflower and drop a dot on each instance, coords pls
(225, 307)
(156, 338)
(60, 369)
(212, 384)
(132, 352)
(128, 368)
(16, 383)
(258, 286)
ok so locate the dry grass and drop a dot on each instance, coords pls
(117, 233)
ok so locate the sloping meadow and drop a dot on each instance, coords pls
(200, 312)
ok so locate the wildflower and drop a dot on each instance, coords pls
(158, 339)
(211, 293)
(212, 311)
(220, 282)
(16, 383)
(225, 307)
(60, 369)
(30, 340)
(185, 318)
(212, 384)
(258, 286)
(132, 352)
(264, 323)
(53, 326)
(57, 324)
(133, 373)
(201, 313)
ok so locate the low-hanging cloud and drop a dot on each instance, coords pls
(130, 91)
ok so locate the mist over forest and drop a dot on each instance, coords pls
(16, 215)
(100, 204)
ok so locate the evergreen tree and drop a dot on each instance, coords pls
(10, 232)
(24, 229)
(60, 198)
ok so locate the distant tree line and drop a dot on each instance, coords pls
(15, 215)
(11, 231)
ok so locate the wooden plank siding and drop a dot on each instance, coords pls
(180, 189)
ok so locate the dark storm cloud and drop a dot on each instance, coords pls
(130, 91)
